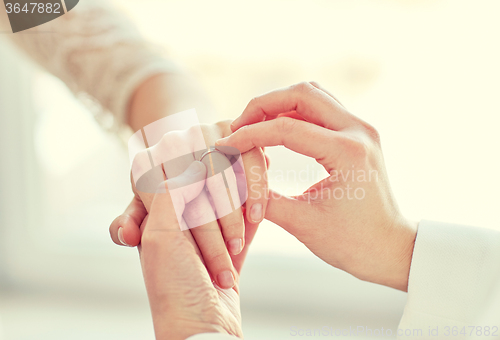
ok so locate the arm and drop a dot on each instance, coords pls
(149, 102)
(95, 50)
(98, 52)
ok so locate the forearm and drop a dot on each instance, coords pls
(163, 95)
(97, 50)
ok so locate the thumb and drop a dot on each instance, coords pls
(290, 213)
(172, 196)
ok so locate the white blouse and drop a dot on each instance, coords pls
(95, 50)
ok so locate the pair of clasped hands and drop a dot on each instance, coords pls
(192, 274)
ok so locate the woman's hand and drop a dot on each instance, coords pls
(213, 240)
(183, 299)
(350, 219)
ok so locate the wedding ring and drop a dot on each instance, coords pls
(209, 151)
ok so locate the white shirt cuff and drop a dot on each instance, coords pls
(453, 271)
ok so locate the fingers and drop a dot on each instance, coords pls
(145, 186)
(158, 162)
(223, 183)
(210, 241)
(168, 206)
(166, 159)
(124, 230)
(254, 163)
(305, 138)
(186, 188)
(238, 260)
(223, 187)
(290, 213)
(308, 101)
(172, 271)
(171, 198)
(200, 219)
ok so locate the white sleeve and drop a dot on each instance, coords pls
(454, 282)
(212, 336)
(96, 50)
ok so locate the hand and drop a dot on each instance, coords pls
(125, 229)
(350, 219)
(183, 300)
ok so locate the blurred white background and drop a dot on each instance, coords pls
(425, 73)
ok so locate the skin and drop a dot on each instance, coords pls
(368, 237)
(183, 299)
(149, 104)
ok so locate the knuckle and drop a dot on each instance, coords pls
(303, 87)
(286, 124)
(166, 138)
(372, 133)
(232, 226)
(216, 186)
(142, 155)
(173, 144)
(202, 135)
(170, 141)
(257, 193)
(356, 148)
(197, 217)
(224, 127)
(204, 128)
(217, 256)
(253, 102)
(163, 147)
(252, 157)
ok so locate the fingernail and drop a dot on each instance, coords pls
(120, 237)
(235, 246)
(195, 168)
(226, 279)
(222, 141)
(256, 212)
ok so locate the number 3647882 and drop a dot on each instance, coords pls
(33, 7)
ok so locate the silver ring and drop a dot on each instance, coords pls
(209, 151)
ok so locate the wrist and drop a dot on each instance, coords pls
(162, 95)
(398, 271)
